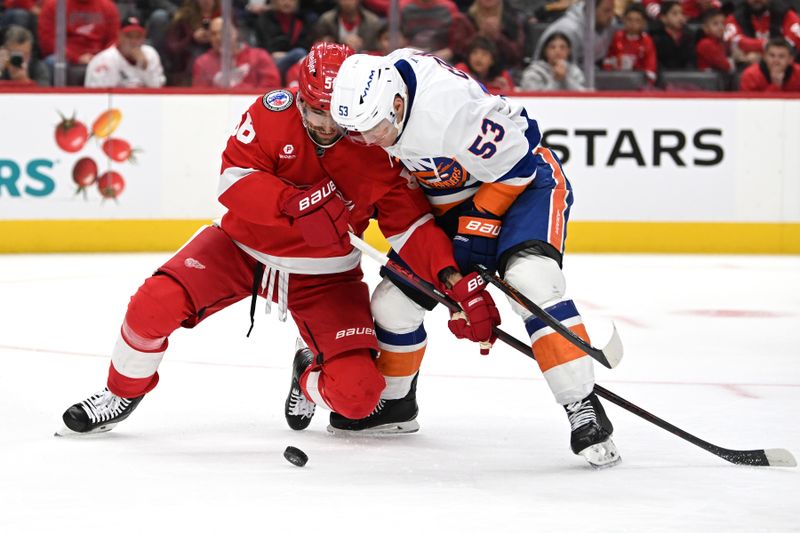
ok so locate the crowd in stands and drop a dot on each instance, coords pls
(507, 45)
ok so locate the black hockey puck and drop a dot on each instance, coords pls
(296, 456)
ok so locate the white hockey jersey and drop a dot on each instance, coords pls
(457, 138)
(110, 69)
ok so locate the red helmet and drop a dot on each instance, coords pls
(318, 70)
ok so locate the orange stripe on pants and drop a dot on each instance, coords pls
(400, 364)
(558, 200)
(553, 349)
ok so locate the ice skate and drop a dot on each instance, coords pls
(390, 417)
(97, 414)
(591, 432)
(299, 410)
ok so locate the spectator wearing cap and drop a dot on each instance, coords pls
(129, 63)
(776, 72)
(351, 24)
(92, 26)
(253, 67)
(18, 64)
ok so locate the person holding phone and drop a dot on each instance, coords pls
(17, 64)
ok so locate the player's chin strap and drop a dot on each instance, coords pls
(762, 457)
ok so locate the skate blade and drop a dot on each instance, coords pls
(64, 431)
(602, 455)
(397, 428)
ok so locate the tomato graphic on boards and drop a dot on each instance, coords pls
(84, 174)
(71, 134)
(119, 150)
(111, 184)
(106, 123)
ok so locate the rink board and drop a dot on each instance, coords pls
(693, 174)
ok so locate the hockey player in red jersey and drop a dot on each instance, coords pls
(292, 191)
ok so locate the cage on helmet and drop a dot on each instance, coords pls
(318, 70)
(364, 92)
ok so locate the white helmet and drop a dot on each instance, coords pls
(364, 91)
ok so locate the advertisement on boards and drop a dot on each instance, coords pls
(80, 157)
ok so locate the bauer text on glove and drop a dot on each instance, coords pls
(480, 314)
(318, 212)
(476, 241)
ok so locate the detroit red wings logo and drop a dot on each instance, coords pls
(449, 174)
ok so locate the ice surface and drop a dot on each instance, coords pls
(712, 344)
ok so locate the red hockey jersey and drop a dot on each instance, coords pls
(271, 152)
(761, 24)
(628, 52)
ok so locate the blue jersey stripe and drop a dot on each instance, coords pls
(410, 79)
(401, 339)
(526, 166)
(560, 311)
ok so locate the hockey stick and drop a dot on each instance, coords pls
(764, 457)
(609, 357)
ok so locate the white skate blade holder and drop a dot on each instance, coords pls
(601, 455)
(64, 431)
(397, 428)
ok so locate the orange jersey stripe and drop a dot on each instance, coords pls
(397, 364)
(558, 200)
(496, 198)
(553, 349)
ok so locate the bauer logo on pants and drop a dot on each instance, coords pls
(342, 333)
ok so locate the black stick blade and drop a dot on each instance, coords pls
(770, 457)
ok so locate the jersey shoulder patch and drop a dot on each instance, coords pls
(278, 100)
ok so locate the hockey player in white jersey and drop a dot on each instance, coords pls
(502, 197)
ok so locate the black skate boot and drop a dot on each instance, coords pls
(389, 417)
(299, 410)
(591, 432)
(97, 414)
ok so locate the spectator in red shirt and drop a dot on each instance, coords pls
(92, 26)
(485, 66)
(631, 48)
(777, 72)
(712, 50)
(755, 21)
(673, 41)
(253, 68)
(694, 9)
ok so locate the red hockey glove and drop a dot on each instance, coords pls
(480, 314)
(318, 212)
